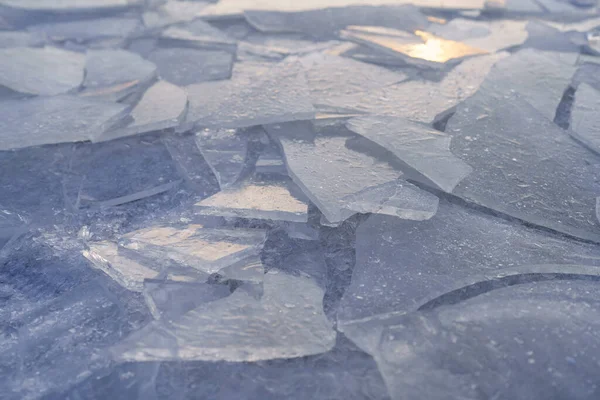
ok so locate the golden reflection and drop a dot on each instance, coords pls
(422, 45)
(437, 20)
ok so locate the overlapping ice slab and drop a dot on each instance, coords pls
(258, 199)
(422, 101)
(59, 119)
(286, 322)
(275, 95)
(41, 71)
(524, 165)
(162, 106)
(82, 31)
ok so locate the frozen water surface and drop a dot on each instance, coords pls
(319, 199)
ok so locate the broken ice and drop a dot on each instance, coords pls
(184, 66)
(585, 123)
(45, 71)
(287, 321)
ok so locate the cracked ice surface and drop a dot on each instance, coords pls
(281, 199)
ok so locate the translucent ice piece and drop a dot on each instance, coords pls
(86, 30)
(422, 101)
(327, 22)
(204, 249)
(69, 5)
(171, 299)
(162, 106)
(182, 66)
(197, 34)
(288, 321)
(327, 171)
(237, 7)
(332, 76)
(277, 95)
(125, 271)
(271, 199)
(113, 74)
(270, 161)
(487, 35)
(421, 48)
(400, 199)
(495, 343)
(540, 77)
(423, 150)
(20, 39)
(226, 151)
(585, 122)
(401, 264)
(172, 12)
(511, 170)
(46, 71)
(46, 120)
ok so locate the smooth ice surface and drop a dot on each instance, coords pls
(585, 120)
(420, 48)
(287, 321)
(328, 171)
(400, 199)
(422, 101)
(271, 96)
(402, 264)
(59, 119)
(183, 66)
(82, 31)
(162, 106)
(259, 199)
(540, 77)
(423, 150)
(205, 249)
(226, 151)
(46, 71)
(490, 36)
(113, 74)
(332, 76)
(543, 177)
(486, 345)
(327, 22)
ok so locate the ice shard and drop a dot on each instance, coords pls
(491, 36)
(208, 250)
(585, 123)
(86, 30)
(423, 150)
(286, 322)
(46, 120)
(183, 66)
(114, 74)
(511, 169)
(197, 34)
(422, 101)
(226, 151)
(421, 48)
(539, 77)
(172, 12)
(258, 199)
(278, 95)
(545, 331)
(400, 199)
(162, 106)
(402, 264)
(66, 6)
(45, 71)
(327, 22)
(330, 76)
(270, 161)
(327, 170)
